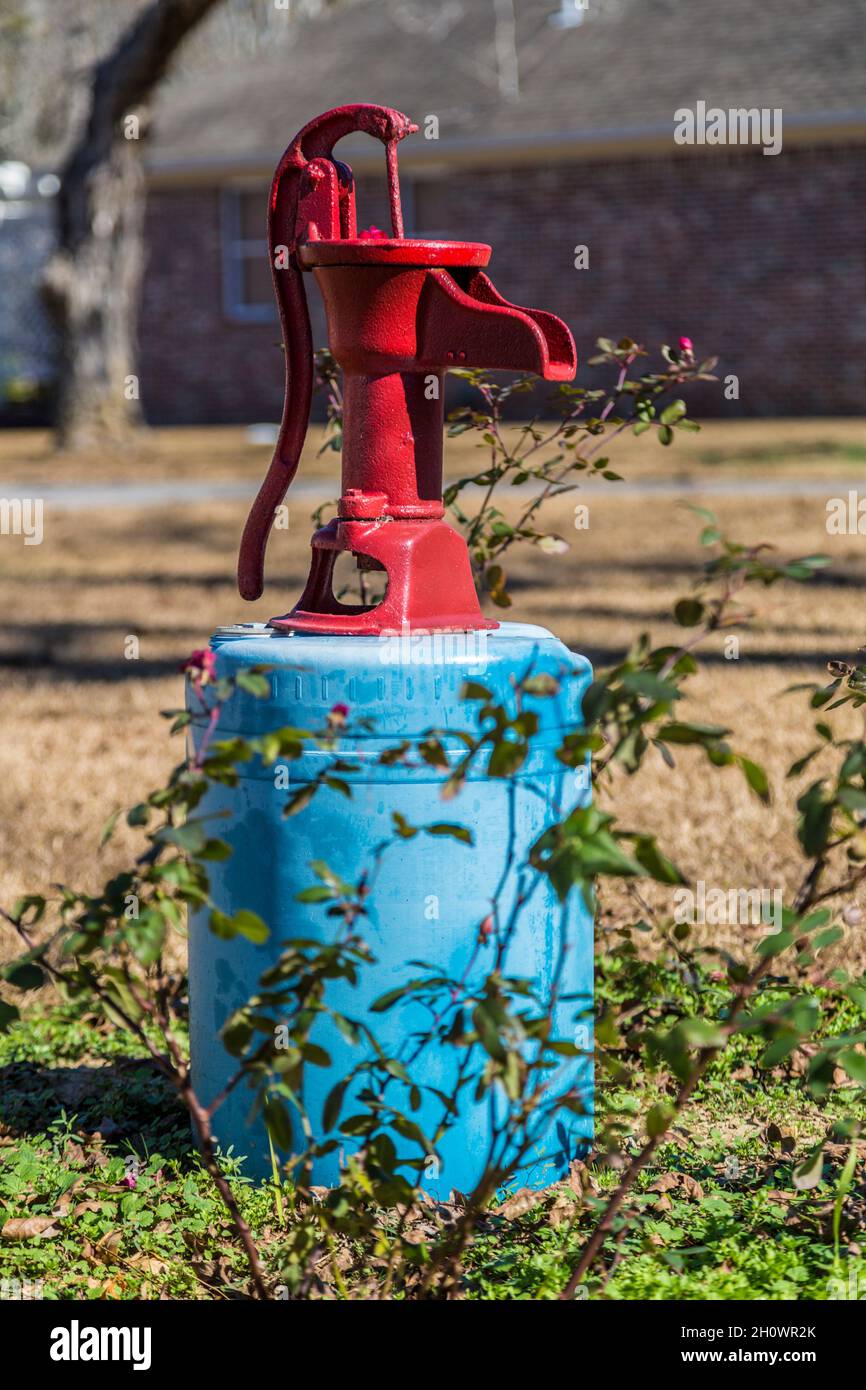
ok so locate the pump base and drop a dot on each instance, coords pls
(442, 600)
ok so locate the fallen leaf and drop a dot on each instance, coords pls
(149, 1264)
(28, 1227)
(779, 1138)
(565, 1208)
(89, 1205)
(665, 1183)
(518, 1204)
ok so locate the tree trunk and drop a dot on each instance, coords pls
(92, 283)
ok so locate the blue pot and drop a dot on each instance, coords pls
(430, 893)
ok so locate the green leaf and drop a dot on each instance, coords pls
(254, 683)
(854, 1063)
(250, 925)
(8, 1015)
(333, 1105)
(673, 412)
(701, 1032)
(338, 784)
(756, 778)
(457, 832)
(147, 937)
(471, 690)
(215, 850)
(657, 865)
(689, 612)
(108, 829)
(402, 826)
(236, 1033)
(317, 894)
(488, 1031)
(808, 1173)
(222, 925)
(279, 1122)
(542, 684)
(191, 837)
(659, 1119)
(646, 683)
(243, 923)
(391, 996)
(683, 732)
(827, 938)
(300, 798)
(506, 758)
(25, 976)
(433, 753)
(34, 905)
(775, 944)
(816, 817)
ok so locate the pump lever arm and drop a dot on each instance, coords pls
(315, 141)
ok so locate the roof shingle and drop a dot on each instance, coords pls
(624, 69)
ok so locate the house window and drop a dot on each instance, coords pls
(431, 209)
(248, 293)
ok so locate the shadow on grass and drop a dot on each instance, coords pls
(126, 1101)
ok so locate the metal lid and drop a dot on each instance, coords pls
(231, 630)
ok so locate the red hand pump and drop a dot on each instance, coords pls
(400, 312)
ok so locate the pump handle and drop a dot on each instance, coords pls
(315, 141)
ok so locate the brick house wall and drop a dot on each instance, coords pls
(759, 259)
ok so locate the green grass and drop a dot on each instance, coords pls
(791, 451)
(81, 1112)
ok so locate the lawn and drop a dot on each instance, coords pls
(95, 1160)
(82, 738)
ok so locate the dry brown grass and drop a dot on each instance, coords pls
(735, 448)
(81, 734)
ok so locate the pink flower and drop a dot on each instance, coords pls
(337, 716)
(372, 234)
(201, 666)
(130, 1181)
(686, 345)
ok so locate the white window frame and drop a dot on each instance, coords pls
(233, 250)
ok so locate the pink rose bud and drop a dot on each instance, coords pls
(686, 345)
(372, 234)
(201, 665)
(130, 1181)
(340, 711)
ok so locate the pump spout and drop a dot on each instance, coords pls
(477, 327)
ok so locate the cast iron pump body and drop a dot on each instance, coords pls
(400, 312)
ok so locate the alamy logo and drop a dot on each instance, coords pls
(22, 516)
(76, 1343)
(738, 126)
(846, 516)
(417, 646)
(852, 1290)
(717, 907)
